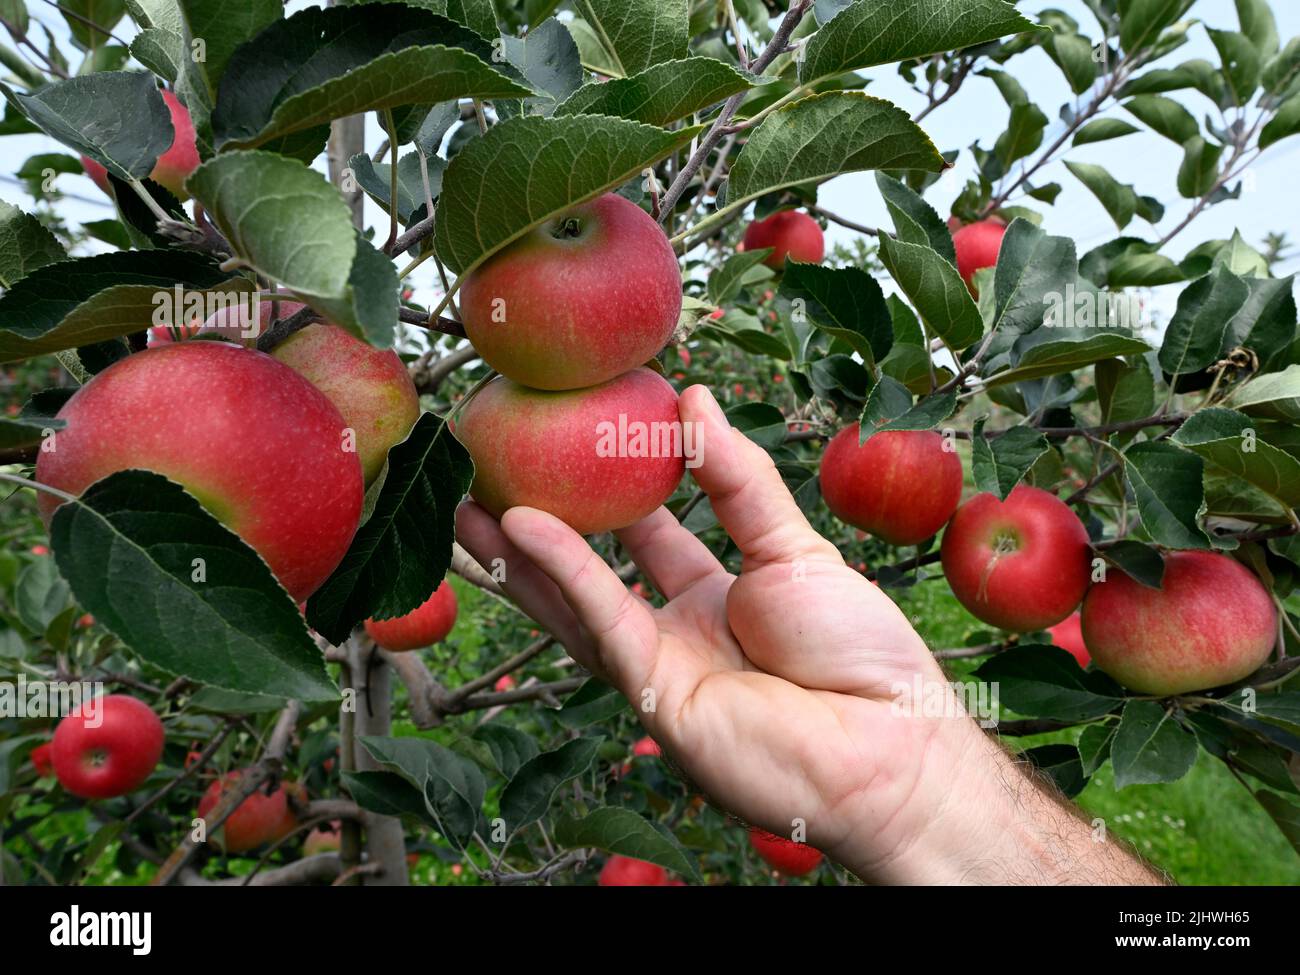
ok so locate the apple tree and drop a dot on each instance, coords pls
(316, 158)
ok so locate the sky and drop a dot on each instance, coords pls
(1270, 201)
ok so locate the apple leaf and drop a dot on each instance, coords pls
(40, 595)
(1043, 681)
(625, 833)
(26, 431)
(1285, 814)
(401, 553)
(376, 179)
(1141, 21)
(1266, 323)
(25, 245)
(727, 280)
(1230, 440)
(549, 60)
(388, 794)
(871, 32)
(1195, 333)
(236, 629)
(1119, 199)
(530, 792)
(1166, 480)
(889, 407)
(505, 749)
(94, 299)
(1200, 168)
(1033, 267)
(636, 34)
(1275, 395)
(1094, 745)
(846, 303)
(1000, 463)
(527, 170)
(915, 220)
(662, 93)
(1102, 129)
(1164, 116)
(117, 118)
(368, 306)
(1150, 746)
(592, 702)
(1142, 562)
(1063, 764)
(452, 785)
(936, 290)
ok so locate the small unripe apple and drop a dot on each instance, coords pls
(790, 234)
(428, 623)
(370, 387)
(1021, 564)
(901, 485)
(1212, 622)
(621, 871)
(257, 444)
(1068, 635)
(259, 819)
(173, 166)
(577, 301)
(107, 747)
(784, 855)
(598, 459)
(977, 246)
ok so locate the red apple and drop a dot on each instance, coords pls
(901, 485)
(370, 387)
(503, 684)
(174, 165)
(647, 746)
(784, 855)
(166, 334)
(259, 819)
(107, 747)
(977, 246)
(234, 322)
(42, 761)
(1212, 622)
(587, 456)
(322, 840)
(1068, 635)
(254, 441)
(789, 233)
(1020, 564)
(579, 300)
(427, 624)
(621, 871)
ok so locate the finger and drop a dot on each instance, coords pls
(481, 535)
(672, 557)
(621, 626)
(746, 491)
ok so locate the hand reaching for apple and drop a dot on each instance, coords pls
(776, 691)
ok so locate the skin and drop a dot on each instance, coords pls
(791, 234)
(262, 449)
(902, 486)
(773, 690)
(977, 245)
(370, 387)
(579, 300)
(786, 856)
(1021, 564)
(1212, 622)
(112, 759)
(257, 820)
(542, 449)
(1068, 635)
(173, 166)
(427, 624)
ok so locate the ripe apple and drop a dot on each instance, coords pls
(977, 246)
(234, 323)
(504, 683)
(255, 442)
(165, 334)
(787, 232)
(1021, 564)
(587, 456)
(42, 761)
(428, 623)
(579, 300)
(1068, 635)
(647, 746)
(259, 819)
(174, 165)
(621, 871)
(370, 387)
(322, 840)
(901, 485)
(1212, 622)
(784, 855)
(106, 748)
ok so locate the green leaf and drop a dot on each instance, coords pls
(1241, 259)
(1063, 764)
(1166, 480)
(1230, 440)
(889, 407)
(1275, 395)
(1142, 562)
(26, 431)
(1285, 123)
(1000, 463)
(93, 299)
(623, 832)
(528, 170)
(1032, 269)
(871, 32)
(25, 245)
(103, 13)
(1074, 56)
(1125, 390)
(1023, 136)
(1285, 814)
(662, 93)
(1200, 167)
(1165, 116)
(726, 282)
(508, 748)
(1150, 746)
(936, 290)
(222, 26)
(126, 548)
(1195, 333)
(387, 794)
(1101, 129)
(845, 302)
(401, 553)
(638, 33)
(117, 118)
(1281, 71)
(453, 786)
(376, 179)
(591, 703)
(160, 51)
(1094, 746)
(821, 136)
(327, 63)
(549, 60)
(1241, 63)
(762, 423)
(529, 794)
(1258, 24)
(40, 594)
(1046, 682)
(368, 306)
(1141, 21)
(1119, 199)
(914, 219)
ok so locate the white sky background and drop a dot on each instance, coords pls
(1270, 202)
